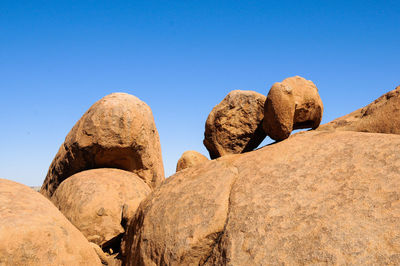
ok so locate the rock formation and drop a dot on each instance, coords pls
(234, 125)
(118, 131)
(189, 159)
(99, 202)
(321, 198)
(291, 104)
(381, 116)
(34, 232)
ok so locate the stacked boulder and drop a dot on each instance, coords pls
(291, 104)
(110, 161)
(241, 121)
(234, 125)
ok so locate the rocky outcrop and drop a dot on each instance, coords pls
(118, 131)
(234, 125)
(190, 159)
(291, 104)
(100, 202)
(381, 116)
(322, 198)
(34, 232)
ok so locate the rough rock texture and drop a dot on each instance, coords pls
(235, 124)
(321, 198)
(381, 116)
(100, 201)
(291, 104)
(105, 258)
(118, 131)
(189, 159)
(34, 232)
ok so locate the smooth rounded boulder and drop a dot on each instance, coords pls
(100, 202)
(234, 125)
(330, 198)
(34, 232)
(380, 116)
(190, 159)
(119, 132)
(291, 104)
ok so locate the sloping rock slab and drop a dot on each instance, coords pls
(316, 198)
(380, 116)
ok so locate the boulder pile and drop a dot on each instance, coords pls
(119, 132)
(325, 196)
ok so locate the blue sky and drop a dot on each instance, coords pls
(181, 57)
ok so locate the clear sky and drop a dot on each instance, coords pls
(181, 57)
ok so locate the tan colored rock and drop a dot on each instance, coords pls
(100, 201)
(291, 104)
(190, 159)
(329, 198)
(105, 258)
(234, 125)
(118, 131)
(34, 232)
(381, 116)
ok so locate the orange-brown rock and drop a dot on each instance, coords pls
(189, 159)
(235, 124)
(291, 104)
(100, 201)
(381, 116)
(118, 131)
(105, 258)
(34, 232)
(329, 198)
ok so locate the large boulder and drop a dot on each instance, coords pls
(190, 159)
(100, 202)
(380, 116)
(315, 198)
(118, 131)
(34, 232)
(235, 124)
(291, 104)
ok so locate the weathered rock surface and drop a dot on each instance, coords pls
(34, 232)
(316, 198)
(235, 124)
(381, 116)
(100, 201)
(190, 159)
(118, 131)
(105, 258)
(291, 104)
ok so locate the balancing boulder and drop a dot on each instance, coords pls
(291, 104)
(234, 125)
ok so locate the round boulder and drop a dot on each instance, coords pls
(118, 131)
(234, 125)
(100, 202)
(291, 104)
(34, 232)
(189, 159)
